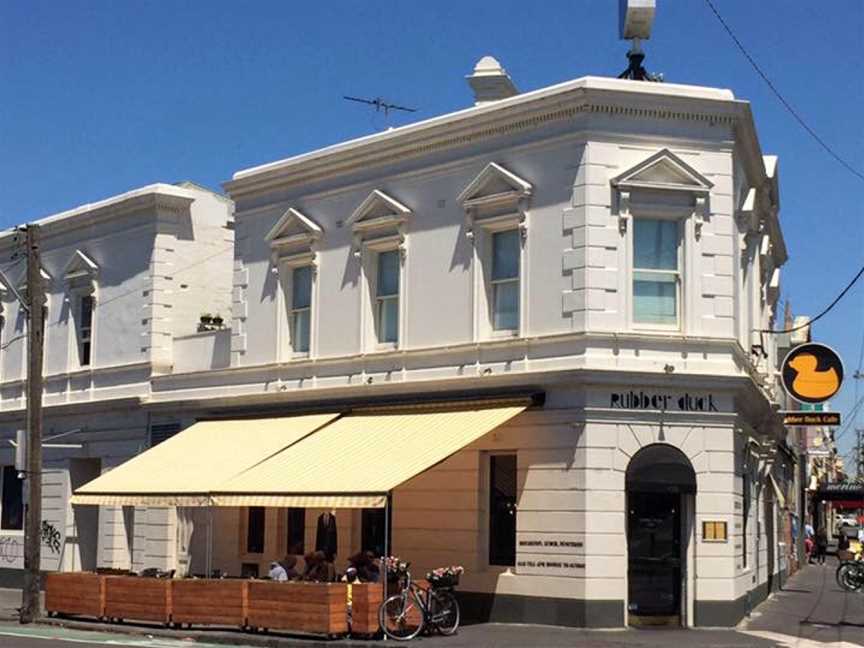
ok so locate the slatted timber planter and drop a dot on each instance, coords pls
(365, 600)
(139, 599)
(77, 593)
(209, 602)
(320, 608)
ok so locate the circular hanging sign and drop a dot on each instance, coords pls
(812, 373)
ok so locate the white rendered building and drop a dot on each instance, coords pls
(603, 250)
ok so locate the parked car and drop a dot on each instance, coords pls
(846, 520)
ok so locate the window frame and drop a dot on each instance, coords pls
(83, 339)
(286, 269)
(679, 274)
(289, 526)
(488, 526)
(494, 283)
(382, 301)
(295, 312)
(248, 531)
(4, 530)
(369, 252)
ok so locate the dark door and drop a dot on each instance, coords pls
(654, 554)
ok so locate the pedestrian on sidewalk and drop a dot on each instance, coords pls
(821, 545)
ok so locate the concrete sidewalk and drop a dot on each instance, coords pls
(812, 607)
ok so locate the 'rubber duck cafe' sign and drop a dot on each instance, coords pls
(812, 373)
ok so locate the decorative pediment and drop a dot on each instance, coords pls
(665, 171)
(294, 229)
(80, 274)
(494, 185)
(378, 210)
(80, 266)
(22, 282)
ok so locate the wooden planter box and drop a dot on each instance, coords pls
(142, 599)
(320, 608)
(213, 602)
(75, 593)
(365, 600)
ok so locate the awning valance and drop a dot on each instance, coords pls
(355, 461)
(185, 469)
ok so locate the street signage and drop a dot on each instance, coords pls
(812, 373)
(799, 418)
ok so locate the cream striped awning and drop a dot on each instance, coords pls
(186, 468)
(356, 460)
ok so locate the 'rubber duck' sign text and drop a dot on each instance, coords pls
(812, 373)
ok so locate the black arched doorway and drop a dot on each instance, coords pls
(660, 485)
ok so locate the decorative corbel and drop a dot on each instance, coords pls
(402, 246)
(469, 224)
(623, 211)
(700, 212)
(357, 246)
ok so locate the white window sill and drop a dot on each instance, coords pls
(387, 346)
(503, 334)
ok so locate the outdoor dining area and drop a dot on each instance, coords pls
(248, 604)
(277, 463)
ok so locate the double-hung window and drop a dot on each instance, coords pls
(387, 297)
(299, 315)
(656, 272)
(505, 280)
(85, 329)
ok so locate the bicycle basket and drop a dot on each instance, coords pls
(442, 580)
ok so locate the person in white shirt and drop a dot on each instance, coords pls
(277, 572)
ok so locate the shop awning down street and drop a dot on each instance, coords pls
(322, 460)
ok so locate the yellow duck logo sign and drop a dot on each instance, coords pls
(812, 373)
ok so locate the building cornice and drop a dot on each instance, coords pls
(565, 102)
(156, 197)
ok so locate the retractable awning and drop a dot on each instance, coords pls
(355, 461)
(184, 470)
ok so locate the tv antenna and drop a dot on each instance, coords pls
(636, 17)
(380, 104)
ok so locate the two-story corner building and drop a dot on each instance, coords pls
(126, 281)
(530, 330)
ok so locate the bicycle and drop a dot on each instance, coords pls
(405, 615)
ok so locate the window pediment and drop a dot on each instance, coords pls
(665, 171)
(80, 273)
(379, 217)
(377, 211)
(293, 229)
(494, 185)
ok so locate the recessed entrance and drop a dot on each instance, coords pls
(660, 485)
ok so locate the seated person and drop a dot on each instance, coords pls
(289, 564)
(317, 568)
(277, 572)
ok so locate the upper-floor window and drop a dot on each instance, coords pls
(387, 297)
(505, 280)
(85, 329)
(656, 271)
(300, 311)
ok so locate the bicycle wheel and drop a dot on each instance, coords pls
(401, 617)
(849, 577)
(445, 612)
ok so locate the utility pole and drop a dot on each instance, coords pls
(31, 607)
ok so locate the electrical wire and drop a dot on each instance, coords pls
(824, 312)
(783, 99)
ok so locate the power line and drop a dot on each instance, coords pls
(782, 99)
(824, 312)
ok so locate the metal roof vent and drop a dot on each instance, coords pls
(490, 82)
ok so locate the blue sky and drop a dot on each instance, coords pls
(99, 97)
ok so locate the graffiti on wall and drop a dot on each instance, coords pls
(50, 537)
(9, 550)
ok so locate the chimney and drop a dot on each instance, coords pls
(490, 82)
